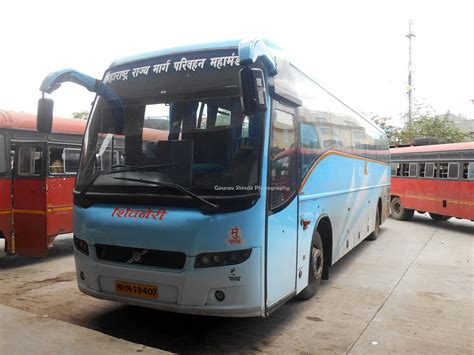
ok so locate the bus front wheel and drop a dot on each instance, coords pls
(315, 272)
(438, 217)
(398, 212)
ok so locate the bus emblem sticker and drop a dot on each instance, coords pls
(233, 277)
(235, 236)
(141, 214)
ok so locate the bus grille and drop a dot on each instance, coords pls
(137, 256)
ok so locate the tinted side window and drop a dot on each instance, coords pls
(56, 161)
(395, 168)
(71, 160)
(443, 170)
(413, 169)
(453, 171)
(405, 169)
(30, 161)
(282, 155)
(309, 146)
(429, 170)
(64, 160)
(3, 155)
(470, 171)
(422, 170)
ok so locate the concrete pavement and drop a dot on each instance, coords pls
(412, 290)
(26, 333)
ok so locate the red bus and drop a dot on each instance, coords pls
(37, 173)
(438, 179)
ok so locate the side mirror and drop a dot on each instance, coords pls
(254, 97)
(44, 117)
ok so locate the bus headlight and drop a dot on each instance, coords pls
(222, 258)
(81, 245)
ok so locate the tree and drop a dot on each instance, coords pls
(81, 115)
(392, 132)
(425, 124)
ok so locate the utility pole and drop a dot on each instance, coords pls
(410, 35)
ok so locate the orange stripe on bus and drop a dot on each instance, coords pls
(59, 209)
(29, 211)
(50, 210)
(341, 154)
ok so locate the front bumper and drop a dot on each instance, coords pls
(189, 290)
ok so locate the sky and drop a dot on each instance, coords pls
(356, 49)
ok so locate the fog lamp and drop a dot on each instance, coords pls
(220, 295)
(81, 245)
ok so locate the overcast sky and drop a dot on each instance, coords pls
(357, 49)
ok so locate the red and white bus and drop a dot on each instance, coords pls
(37, 174)
(438, 179)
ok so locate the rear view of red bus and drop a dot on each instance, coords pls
(438, 179)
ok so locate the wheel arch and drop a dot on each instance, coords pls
(379, 208)
(324, 228)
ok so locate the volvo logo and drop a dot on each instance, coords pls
(137, 256)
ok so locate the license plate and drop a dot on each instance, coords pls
(136, 290)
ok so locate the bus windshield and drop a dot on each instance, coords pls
(186, 129)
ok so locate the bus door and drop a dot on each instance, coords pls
(5, 193)
(282, 221)
(29, 199)
(63, 162)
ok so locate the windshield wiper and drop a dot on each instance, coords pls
(172, 185)
(128, 168)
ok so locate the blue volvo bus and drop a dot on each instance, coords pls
(254, 183)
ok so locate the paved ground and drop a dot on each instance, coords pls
(412, 290)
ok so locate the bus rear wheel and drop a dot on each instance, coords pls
(398, 212)
(374, 235)
(438, 217)
(315, 272)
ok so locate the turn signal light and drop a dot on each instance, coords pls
(222, 258)
(81, 245)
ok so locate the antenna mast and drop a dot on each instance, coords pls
(410, 35)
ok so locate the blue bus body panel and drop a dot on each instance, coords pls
(281, 253)
(188, 290)
(340, 186)
(183, 230)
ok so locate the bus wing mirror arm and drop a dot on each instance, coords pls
(251, 51)
(54, 80)
(44, 119)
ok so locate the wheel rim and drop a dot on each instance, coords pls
(317, 263)
(397, 207)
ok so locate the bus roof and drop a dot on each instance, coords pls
(189, 48)
(182, 49)
(27, 121)
(434, 148)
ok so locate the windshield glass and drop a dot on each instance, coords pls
(173, 127)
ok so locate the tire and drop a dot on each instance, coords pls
(316, 265)
(438, 217)
(398, 212)
(375, 234)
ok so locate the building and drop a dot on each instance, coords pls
(461, 122)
